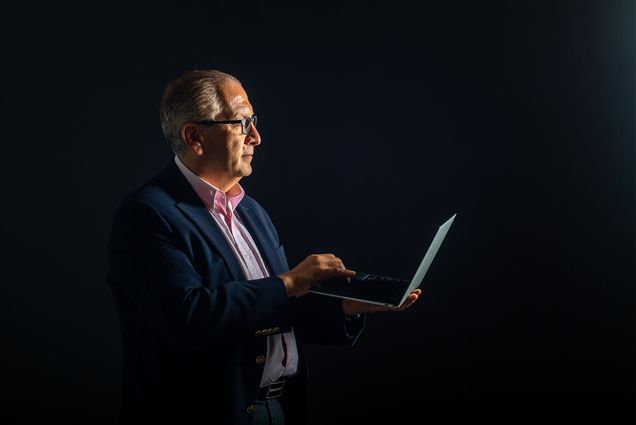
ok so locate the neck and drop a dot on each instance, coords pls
(216, 179)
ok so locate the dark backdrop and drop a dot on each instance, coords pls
(379, 121)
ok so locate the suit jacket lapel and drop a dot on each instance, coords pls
(263, 241)
(192, 207)
(190, 204)
(200, 215)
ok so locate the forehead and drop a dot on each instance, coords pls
(235, 97)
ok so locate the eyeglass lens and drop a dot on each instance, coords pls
(247, 123)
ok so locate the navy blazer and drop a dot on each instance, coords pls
(192, 326)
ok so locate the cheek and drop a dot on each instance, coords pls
(237, 148)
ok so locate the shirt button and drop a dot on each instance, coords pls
(250, 409)
(260, 359)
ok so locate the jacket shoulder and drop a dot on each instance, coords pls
(251, 203)
(163, 190)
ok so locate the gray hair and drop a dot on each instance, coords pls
(193, 95)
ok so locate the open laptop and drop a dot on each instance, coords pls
(383, 290)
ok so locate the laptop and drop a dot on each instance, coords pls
(383, 290)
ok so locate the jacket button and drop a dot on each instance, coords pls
(250, 409)
(260, 359)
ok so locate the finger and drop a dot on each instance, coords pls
(332, 267)
(336, 262)
(374, 308)
(346, 272)
(338, 272)
(363, 307)
(322, 258)
(404, 306)
(409, 300)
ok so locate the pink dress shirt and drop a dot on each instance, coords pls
(222, 211)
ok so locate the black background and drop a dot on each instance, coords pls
(379, 121)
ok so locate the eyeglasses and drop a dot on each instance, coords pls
(246, 123)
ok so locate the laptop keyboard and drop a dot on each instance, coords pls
(378, 278)
(368, 280)
(385, 289)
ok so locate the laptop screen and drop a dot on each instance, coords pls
(430, 254)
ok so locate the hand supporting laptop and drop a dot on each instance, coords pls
(351, 308)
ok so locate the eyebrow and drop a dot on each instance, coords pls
(244, 113)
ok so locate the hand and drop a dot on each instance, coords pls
(313, 270)
(351, 308)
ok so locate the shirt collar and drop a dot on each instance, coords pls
(212, 197)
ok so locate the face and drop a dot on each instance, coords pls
(227, 152)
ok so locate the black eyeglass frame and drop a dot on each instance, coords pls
(246, 123)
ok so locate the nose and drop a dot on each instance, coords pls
(253, 137)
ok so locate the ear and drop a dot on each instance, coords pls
(192, 138)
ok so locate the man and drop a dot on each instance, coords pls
(213, 320)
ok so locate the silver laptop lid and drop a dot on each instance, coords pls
(428, 258)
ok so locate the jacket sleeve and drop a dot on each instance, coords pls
(156, 278)
(320, 320)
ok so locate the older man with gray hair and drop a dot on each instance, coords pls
(213, 320)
